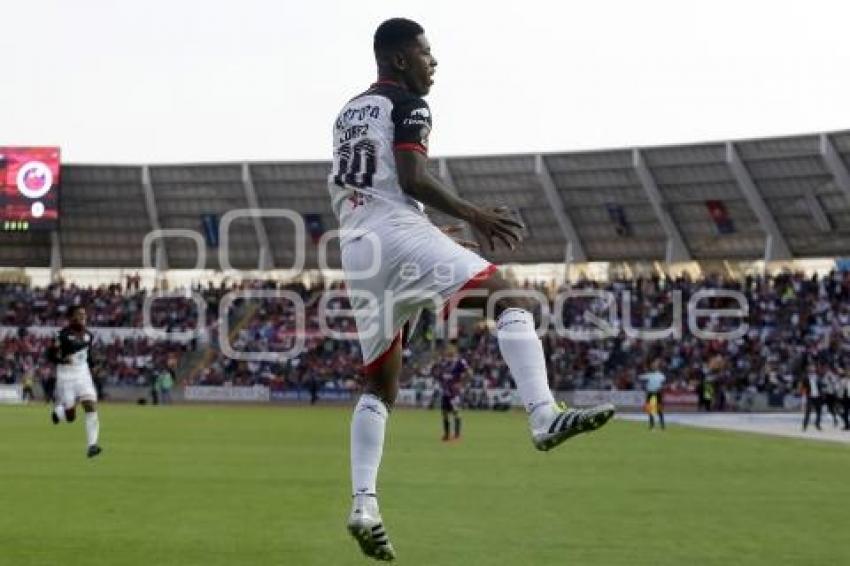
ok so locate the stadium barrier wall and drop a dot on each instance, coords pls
(627, 399)
(304, 395)
(746, 401)
(631, 398)
(11, 394)
(252, 394)
(132, 393)
(409, 397)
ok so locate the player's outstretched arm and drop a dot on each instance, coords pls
(417, 182)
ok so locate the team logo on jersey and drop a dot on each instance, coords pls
(358, 199)
(418, 117)
(34, 179)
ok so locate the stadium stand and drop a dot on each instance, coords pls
(102, 204)
(764, 199)
(794, 321)
(780, 198)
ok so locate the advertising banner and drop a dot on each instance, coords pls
(254, 394)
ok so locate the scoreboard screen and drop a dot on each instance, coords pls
(29, 188)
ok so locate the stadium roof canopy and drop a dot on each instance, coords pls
(776, 198)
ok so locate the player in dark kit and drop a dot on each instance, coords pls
(397, 263)
(451, 386)
(71, 352)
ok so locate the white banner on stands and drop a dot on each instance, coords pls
(257, 393)
(11, 394)
(629, 398)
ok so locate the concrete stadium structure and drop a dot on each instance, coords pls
(787, 198)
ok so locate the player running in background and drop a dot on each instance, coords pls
(451, 388)
(654, 394)
(397, 262)
(71, 352)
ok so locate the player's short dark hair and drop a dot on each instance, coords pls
(73, 310)
(395, 33)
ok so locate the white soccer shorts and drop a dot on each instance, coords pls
(418, 267)
(73, 384)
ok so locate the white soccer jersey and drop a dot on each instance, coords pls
(364, 183)
(72, 352)
(418, 266)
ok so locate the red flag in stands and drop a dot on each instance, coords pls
(720, 215)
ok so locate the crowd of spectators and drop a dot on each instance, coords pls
(269, 328)
(118, 361)
(107, 306)
(794, 322)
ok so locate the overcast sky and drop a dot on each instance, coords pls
(184, 81)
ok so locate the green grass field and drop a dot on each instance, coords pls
(269, 486)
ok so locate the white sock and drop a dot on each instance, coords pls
(523, 352)
(92, 428)
(59, 411)
(367, 443)
(367, 503)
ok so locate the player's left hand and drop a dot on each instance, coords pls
(453, 231)
(498, 224)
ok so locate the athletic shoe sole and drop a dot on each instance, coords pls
(373, 541)
(586, 420)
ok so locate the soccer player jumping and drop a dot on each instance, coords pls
(71, 352)
(397, 262)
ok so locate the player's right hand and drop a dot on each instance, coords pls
(497, 223)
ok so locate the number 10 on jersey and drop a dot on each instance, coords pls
(355, 164)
